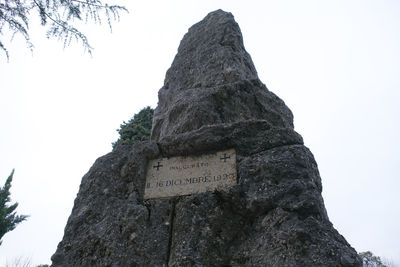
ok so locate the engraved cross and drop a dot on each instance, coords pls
(225, 157)
(158, 166)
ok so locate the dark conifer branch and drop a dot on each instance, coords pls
(8, 216)
(63, 30)
(58, 15)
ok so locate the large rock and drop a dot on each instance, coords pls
(212, 81)
(212, 100)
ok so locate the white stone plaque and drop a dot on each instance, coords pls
(167, 177)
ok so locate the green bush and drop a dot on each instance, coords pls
(136, 129)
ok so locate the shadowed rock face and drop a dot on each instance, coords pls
(212, 100)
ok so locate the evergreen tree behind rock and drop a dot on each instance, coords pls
(136, 129)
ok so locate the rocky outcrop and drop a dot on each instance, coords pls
(213, 80)
(212, 100)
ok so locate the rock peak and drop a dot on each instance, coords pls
(213, 80)
(211, 53)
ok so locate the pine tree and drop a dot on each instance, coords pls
(8, 218)
(136, 129)
(59, 16)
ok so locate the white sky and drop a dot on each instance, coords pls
(335, 64)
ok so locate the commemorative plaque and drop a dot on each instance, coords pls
(176, 176)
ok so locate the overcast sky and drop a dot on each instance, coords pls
(336, 64)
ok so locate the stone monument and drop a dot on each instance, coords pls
(224, 181)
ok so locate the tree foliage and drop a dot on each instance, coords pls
(370, 260)
(8, 218)
(136, 129)
(59, 16)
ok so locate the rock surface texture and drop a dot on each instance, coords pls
(212, 100)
